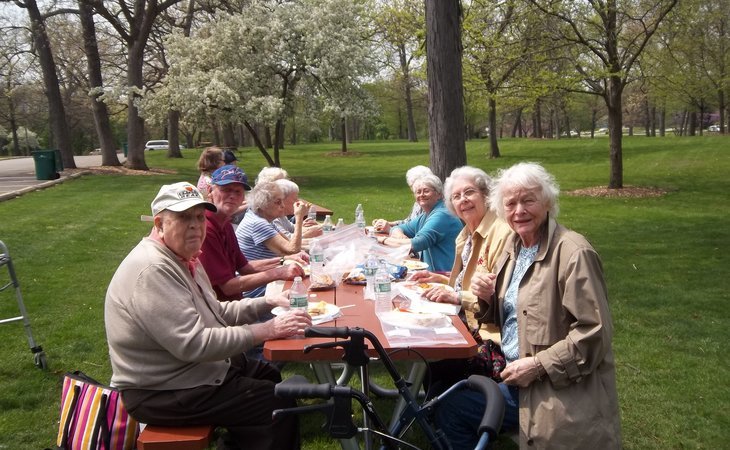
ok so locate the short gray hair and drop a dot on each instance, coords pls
(287, 187)
(481, 180)
(526, 175)
(415, 173)
(263, 195)
(430, 180)
(271, 174)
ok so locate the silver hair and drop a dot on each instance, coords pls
(415, 173)
(481, 180)
(430, 180)
(263, 195)
(287, 187)
(271, 174)
(526, 175)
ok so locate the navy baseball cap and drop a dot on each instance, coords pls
(230, 174)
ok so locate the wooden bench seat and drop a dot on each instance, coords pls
(174, 438)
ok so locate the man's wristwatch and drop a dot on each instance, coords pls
(281, 261)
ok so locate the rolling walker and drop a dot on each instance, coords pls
(39, 357)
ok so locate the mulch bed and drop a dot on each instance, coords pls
(120, 170)
(625, 192)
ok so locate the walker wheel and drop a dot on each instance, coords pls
(39, 359)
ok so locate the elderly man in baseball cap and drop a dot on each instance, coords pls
(176, 351)
(230, 272)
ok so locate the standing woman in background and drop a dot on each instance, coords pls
(210, 159)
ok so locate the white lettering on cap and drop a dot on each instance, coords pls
(184, 194)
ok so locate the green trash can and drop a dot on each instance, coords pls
(125, 148)
(59, 160)
(45, 165)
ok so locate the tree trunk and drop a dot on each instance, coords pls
(259, 144)
(407, 91)
(662, 122)
(173, 125)
(135, 123)
(692, 124)
(229, 139)
(343, 131)
(98, 107)
(447, 147)
(537, 132)
(267, 137)
(12, 121)
(56, 111)
(594, 120)
(615, 132)
(493, 145)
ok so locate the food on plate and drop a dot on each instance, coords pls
(425, 286)
(321, 281)
(317, 309)
(355, 276)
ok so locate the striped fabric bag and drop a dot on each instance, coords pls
(93, 417)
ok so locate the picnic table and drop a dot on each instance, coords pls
(360, 312)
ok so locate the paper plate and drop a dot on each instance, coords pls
(331, 312)
(412, 264)
(423, 287)
(414, 321)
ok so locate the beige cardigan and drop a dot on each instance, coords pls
(166, 329)
(487, 245)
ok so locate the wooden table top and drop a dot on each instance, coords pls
(361, 315)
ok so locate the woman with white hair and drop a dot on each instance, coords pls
(548, 296)
(431, 234)
(257, 236)
(310, 227)
(412, 175)
(271, 174)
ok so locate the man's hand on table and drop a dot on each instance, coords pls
(280, 299)
(291, 323)
(289, 271)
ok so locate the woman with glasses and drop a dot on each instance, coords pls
(478, 247)
(432, 233)
(258, 237)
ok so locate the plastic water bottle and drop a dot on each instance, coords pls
(312, 213)
(298, 295)
(382, 287)
(360, 217)
(340, 223)
(316, 259)
(369, 270)
(327, 224)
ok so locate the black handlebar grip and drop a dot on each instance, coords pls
(335, 332)
(494, 412)
(299, 387)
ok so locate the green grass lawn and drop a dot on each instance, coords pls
(665, 260)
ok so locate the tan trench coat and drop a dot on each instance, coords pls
(564, 320)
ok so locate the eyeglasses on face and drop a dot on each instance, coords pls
(469, 193)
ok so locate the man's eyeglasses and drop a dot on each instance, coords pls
(469, 193)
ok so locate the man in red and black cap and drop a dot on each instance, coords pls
(229, 271)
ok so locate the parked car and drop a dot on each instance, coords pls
(160, 144)
(156, 145)
(715, 128)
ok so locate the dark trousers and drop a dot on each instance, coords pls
(243, 404)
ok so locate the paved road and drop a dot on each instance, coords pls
(17, 175)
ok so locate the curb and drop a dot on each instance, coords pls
(14, 194)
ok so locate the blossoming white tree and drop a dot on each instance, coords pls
(248, 68)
